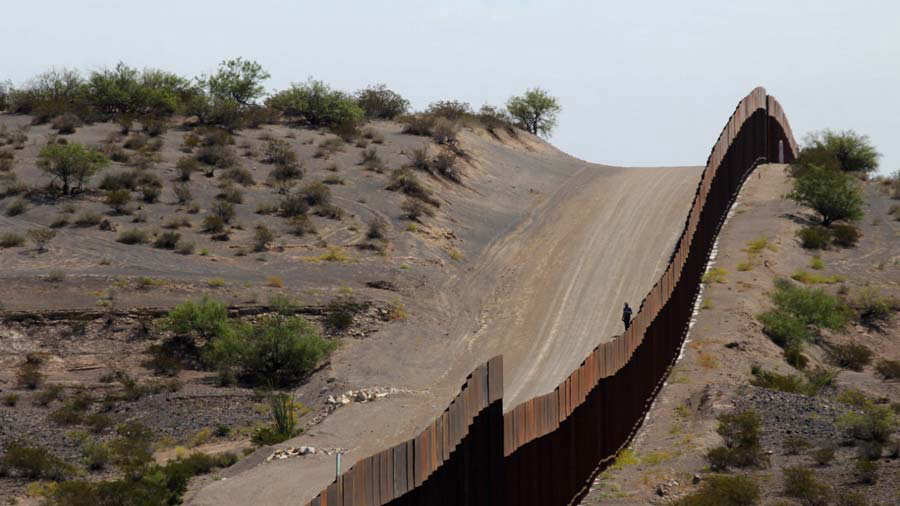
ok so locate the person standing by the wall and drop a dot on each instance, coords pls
(626, 316)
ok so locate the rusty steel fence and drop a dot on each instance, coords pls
(547, 450)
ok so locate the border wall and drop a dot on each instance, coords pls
(547, 450)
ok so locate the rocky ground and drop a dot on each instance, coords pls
(666, 459)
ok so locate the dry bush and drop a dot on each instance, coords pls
(239, 175)
(279, 152)
(230, 193)
(316, 194)
(167, 240)
(329, 211)
(853, 356)
(262, 237)
(182, 192)
(377, 228)
(293, 205)
(133, 236)
(418, 124)
(415, 209)
(403, 180)
(66, 123)
(186, 166)
(301, 225)
(445, 165)
(445, 131)
(136, 141)
(217, 155)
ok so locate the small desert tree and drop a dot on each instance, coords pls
(834, 194)
(535, 111)
(237, 79)
(72, 164)
(846, 150)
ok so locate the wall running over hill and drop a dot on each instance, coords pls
(547, 450)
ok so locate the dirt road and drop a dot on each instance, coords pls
(543, 295)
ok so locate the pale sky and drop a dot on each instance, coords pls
(640, 83)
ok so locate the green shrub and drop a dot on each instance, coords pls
(377, 228)
(888, 369)
(276, 350)
(874, 422)
(95, 455)
(785, 329)
(800, 483)
(723, 490)
(813, 384)
(284, 426)
(853, 356)
(11, 240)
(167, 240)
(812, 306)
(378, 102)
(845, 150)
(133, 236)
(845, 236)
(740, 432)
(34, 463)
(72, 164)
(866, 471)
(204, 318)
(850, 498)
(315, 103)
(833, 194)
(132, 449)
(814, 237)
